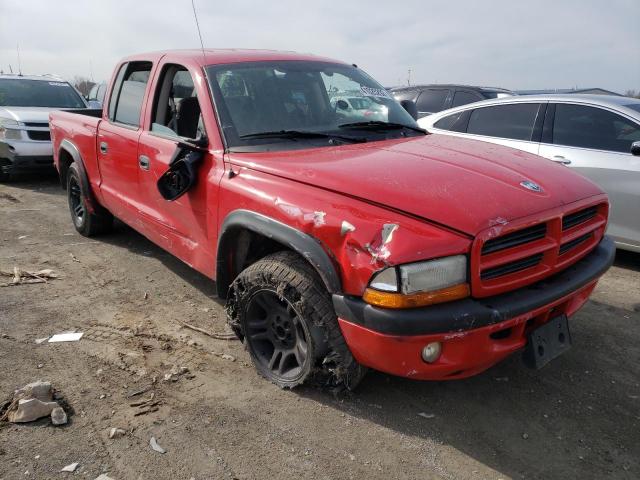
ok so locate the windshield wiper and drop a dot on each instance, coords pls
(378, 125)
(294, 134)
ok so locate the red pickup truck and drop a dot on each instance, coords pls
(342, 238)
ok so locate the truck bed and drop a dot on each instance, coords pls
(79, 128)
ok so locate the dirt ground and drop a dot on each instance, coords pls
(579, 417)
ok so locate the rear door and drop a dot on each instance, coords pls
(174, 114)
(516, 125)
(597, 143)
(117, 139)
(432, 100)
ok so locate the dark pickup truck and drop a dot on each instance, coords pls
(340, 242)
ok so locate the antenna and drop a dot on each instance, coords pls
(19, 64)
(195, 14)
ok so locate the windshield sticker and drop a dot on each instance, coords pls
(58, 84)
(374, 92)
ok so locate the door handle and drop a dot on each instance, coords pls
(561, 159)
(103, 147)
(143, 161)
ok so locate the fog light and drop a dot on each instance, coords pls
(431, 352)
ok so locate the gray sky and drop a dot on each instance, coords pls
(547, 44)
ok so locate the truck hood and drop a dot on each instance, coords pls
(27, 114)
(464, 184)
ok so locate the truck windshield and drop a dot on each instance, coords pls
(21, 92)
(255, 98)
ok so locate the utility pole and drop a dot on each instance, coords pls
(409, 78)
(19, 63)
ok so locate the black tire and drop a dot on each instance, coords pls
(4, 177)
(87, 222)
(280, 304)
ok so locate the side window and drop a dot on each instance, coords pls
(432, 100)
(113, 99)
(455, 122)
(102, 89)
(176, 110)
(463, 98)
(129, 95)
(514, 121)
(591, 127)
(93, 93)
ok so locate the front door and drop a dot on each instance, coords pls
(597, 143)
(181, 226)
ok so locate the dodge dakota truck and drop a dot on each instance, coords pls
(340, 242)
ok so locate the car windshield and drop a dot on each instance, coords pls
(20, 92)
(634, 106)
(492, 94)
(275, 98)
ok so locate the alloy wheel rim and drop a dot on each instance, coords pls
(276, 335)
(76, 203)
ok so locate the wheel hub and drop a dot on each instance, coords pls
(282, 331)
(276, 335)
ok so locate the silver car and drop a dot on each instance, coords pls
(598, 135)
(25, 104)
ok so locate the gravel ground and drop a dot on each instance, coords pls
(579, 417)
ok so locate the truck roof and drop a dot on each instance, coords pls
(217, 56)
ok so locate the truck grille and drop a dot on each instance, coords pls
(41, 135)
(578, 217)
(507, 257)
(514, 239)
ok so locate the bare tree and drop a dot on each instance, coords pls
(632, 93)
(83, 84)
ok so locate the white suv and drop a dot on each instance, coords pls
(25, 103)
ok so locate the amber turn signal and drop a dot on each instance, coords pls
(413, 300)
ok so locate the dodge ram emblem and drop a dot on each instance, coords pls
(529, 185)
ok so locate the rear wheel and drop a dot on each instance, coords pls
(86, 221)
(283, 313)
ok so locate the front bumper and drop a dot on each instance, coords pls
(25, 156)
(475, 333)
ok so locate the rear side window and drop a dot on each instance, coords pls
(432, 100)
(456, 122)
(595, 128)
(504, 121)
(463, 98)
(126, 100)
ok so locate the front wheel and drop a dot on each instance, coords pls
(86, 221)
(284, 314)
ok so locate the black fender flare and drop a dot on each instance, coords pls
(302, 243)
(70, 148)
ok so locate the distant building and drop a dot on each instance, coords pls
(595, 91)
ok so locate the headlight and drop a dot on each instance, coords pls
(419, 284)
(9, 129)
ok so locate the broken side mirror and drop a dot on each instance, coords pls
(410, 107)
(635, 149)
(183, 169)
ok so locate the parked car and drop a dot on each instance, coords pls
(431, 99)
(358, 108)
(597, 135)
(337, 246)
(25, 103)
(95, 97)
